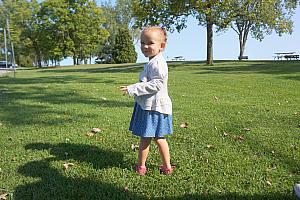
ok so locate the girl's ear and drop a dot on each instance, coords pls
(163, 45)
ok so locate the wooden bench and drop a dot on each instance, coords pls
(243, 57)
(291, 57)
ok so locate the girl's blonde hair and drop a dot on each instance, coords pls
(162, 31)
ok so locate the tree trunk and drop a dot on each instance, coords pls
(209, 33)
(242, 46)
(243, 35)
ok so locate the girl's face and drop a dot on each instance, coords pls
(152, 43)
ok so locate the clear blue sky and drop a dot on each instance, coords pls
(191, 44)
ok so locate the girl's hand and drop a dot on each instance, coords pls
(124, 89)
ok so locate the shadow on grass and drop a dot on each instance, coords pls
(54, 184)
(16, 112)
(121, 68)
(55, 80)
(267, 67)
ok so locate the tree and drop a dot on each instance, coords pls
(260, 18)
(118, 16)
(77, 25)
(173, 15)
(124, 51)
(19, 13)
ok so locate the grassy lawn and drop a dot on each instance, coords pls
(242, 140)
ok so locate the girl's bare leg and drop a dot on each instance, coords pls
(164, 151)
(144, 151)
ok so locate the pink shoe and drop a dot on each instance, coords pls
(140, 170)
(165, 170)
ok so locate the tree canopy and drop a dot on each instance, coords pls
(266, 15)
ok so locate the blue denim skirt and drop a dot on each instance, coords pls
(153, 124)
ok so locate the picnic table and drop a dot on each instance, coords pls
(286, 55)
(176, 58)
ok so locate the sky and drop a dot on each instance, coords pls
(190, 43)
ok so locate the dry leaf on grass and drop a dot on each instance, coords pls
(90, 134)
(225, 133)
(240, 137)
(134, 147)
(3, 196)
(96, 130)
(247, 129)
(126, 189)
(184, 125)
(216, 98)
(209, 146)
(93, 132)
(68, 165)
(269, 183)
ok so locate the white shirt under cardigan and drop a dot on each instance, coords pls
(151, 93)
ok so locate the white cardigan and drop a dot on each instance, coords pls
(151, 93)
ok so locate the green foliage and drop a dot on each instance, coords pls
(124, 51)
(118, 16)
(54, 29)
(46, 114)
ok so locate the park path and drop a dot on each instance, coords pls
(3, 71)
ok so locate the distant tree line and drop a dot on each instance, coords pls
(46, 32)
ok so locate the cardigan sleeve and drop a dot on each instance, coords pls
(156, 74)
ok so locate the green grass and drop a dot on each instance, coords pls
(46, 113)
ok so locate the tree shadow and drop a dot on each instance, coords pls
(236, 196)
(53, 184)
(12, 104)
(55, 80)
(119, 68)
(266, 67)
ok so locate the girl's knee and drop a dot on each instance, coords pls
(159, 140)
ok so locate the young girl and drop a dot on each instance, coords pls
(152, 114)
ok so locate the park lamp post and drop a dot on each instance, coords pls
(5, 46)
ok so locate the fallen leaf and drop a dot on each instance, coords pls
(240, 137)
(103, 98)
(134, 147)
(3, 196)
(225, 134)
(209, 146)
(126, 189)
(269, 183)
(90, 134)
(67, 165)
(216, 98)
(96, 130)
(247, 129)
(184, 125)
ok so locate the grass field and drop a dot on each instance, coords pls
(242, 140)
